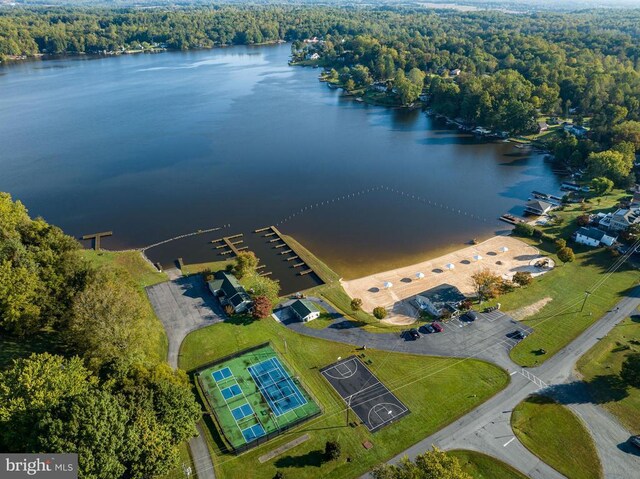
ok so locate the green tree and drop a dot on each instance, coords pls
(601, 185)
(379, 312)
(433, 464)
(245, 264)
(32, 386)
(262, 286)
(566, 255)
(560, 243)
(332, 450)
(630, 371)
(524, 229)
(609, 164)
(108, 319)
(628, 131)
(486, 284)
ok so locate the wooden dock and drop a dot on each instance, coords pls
(96, 238)
(306, 271)
(509, 218)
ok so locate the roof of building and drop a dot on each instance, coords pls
(593, 233)
(229, 285)
(304, 307)
(538, 205)
(443, 294)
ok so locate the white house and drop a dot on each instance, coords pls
(593, 237)
(305, 310)
(455, 72)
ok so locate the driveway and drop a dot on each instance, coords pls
(183, 305)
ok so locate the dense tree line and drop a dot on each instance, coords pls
(106, 397)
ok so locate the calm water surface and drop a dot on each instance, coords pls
(152, 146)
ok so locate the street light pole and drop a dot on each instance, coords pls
(586, 296)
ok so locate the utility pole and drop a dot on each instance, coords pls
(186, 469)
(586, 296)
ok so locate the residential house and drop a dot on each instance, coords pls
(379, 86)
(593, 237)
(228, 290)
(538, 207)
(455, 72)
(623, 218)
(314, 56)
(437, 301)
(305, 310)
(576, 130)
(542, 126)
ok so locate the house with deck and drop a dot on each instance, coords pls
(538, 207)
(623, 218)
(440, 301)
(229, 291)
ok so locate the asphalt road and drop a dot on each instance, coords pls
(488, 427)
(185, 304)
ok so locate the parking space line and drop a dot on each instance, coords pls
(509, 441)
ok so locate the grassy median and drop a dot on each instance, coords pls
(554, 434)
(482, 466)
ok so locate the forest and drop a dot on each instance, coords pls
(498, 70)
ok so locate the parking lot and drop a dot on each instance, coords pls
(490, 337)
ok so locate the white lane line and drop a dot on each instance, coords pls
(509, 441)
(515, 372)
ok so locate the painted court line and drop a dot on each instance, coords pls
(509, 442)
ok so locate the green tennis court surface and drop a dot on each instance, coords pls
(254, 396)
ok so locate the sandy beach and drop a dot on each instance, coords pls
(466, 261)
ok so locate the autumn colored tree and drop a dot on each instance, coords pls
(435, 464)
(523, 278)
(486, 284)
(262, 307)
(566, 255)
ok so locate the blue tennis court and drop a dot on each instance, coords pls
(276, 386)
(221, 374)
(231, 391)
(253, 432)
(242, 412)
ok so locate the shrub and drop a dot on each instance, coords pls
(560, 243)
(630, 372)
(279, 475)
(466, 304)
(524, 229)
(583, 220)
(261, 307)
(523, 278)
(356, 304)
(379, 312)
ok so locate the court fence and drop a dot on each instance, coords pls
(261, 439)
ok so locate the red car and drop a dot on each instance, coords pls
(437, 327)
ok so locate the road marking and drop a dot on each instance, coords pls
(515, 372)
(509, 441)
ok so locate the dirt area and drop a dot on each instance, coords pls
(405, 284)
(526, 311)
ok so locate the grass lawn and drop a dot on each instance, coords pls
(213, 266)
(436, 390)
(481, 466)
(554, 434)
(186, 459)
(561, 321)
(144, 275)
(600, 368)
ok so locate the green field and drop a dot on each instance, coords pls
(481, 466)
(436, 390)
(600, 368)
(554, 434)
(264, 416)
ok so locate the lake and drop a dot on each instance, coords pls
(153, 146)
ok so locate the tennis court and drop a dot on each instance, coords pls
(254, 396)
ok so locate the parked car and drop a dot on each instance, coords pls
(635, 441)
(429, 329)
(437, 326)
(519, 334)
(470, 316)
(413, 334)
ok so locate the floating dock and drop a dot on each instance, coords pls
(509, 218)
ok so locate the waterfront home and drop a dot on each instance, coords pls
(228, 290)
(623, 218)
(593, 237)
(455, 72)
(538, 207)
(314, 56)
(542, 126)
(379, 86)
(576, 130)
(305, 310)
(440, 300)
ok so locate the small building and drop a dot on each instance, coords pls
(576, 130)
(593, 237)
(379, 86)
(542, 126)
(305, 310)
(455, 72)
(623, 218)
(314, 56)
(538, 207)
(442, 298)
(228, 290)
